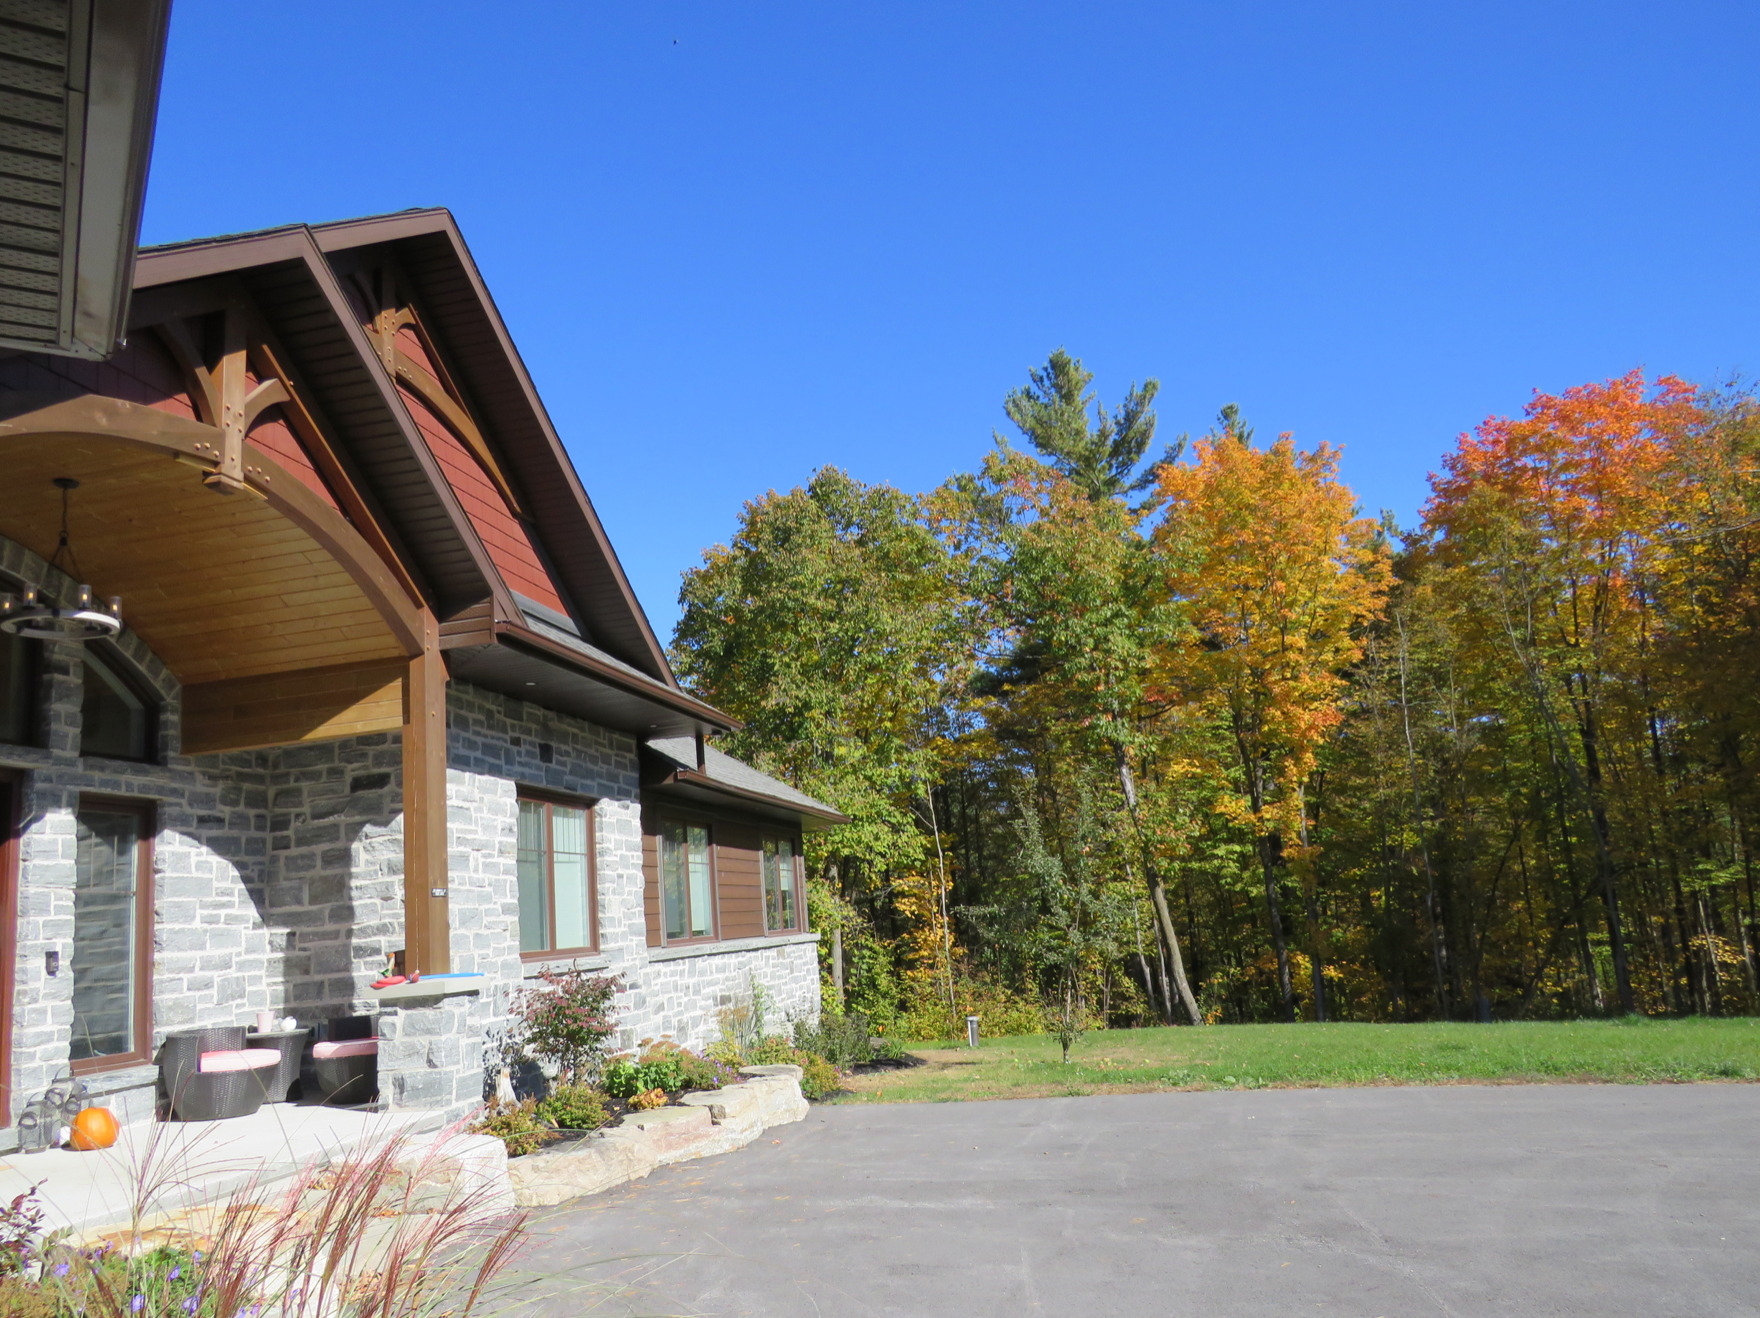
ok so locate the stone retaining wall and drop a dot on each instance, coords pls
(704, 1124)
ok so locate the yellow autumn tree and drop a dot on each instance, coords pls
(1278, 576)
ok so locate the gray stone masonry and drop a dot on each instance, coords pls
(278, 884)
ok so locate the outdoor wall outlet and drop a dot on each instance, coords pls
(51, 964)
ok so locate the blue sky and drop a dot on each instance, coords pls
(735, 243)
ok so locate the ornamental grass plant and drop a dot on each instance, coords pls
(400, 1231)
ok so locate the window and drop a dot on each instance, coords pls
(687, 883)
(18, 685)
(112, 934)
(114, 719)
(558, 911)
(779, 886)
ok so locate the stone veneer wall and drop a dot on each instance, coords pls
(278, 884)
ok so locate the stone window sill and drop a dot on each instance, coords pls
(595, 963)
(731, 945)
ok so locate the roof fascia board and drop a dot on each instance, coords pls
(207, 259)
(348, 234)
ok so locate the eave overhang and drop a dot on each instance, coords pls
(666, 777)
(79, 91)
(529, 666)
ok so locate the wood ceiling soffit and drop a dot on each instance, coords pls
(393, 309)
(197, 444)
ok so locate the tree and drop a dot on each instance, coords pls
(834, 627)
(1278, 576)
(1099, 459)
(1541, 524)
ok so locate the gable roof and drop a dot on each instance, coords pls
(431, 253)
(491, 637)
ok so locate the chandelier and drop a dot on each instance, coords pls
(79, 618)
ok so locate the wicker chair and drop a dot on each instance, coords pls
(342, 1064)
(209, 1075)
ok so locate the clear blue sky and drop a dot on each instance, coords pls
(737, 242)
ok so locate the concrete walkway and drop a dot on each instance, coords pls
(1518, 1200)
(194, 1162)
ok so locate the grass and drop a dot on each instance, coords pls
(1632, 1051)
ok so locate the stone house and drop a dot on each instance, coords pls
(380, 692)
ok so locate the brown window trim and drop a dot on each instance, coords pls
(687, 818)
(552, 798)
(11, 788)
(797, 880)
(145, 905)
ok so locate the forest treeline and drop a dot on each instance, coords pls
(1178, 734)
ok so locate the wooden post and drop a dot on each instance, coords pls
(427, 932)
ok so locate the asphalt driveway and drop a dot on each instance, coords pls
(1567, 1199)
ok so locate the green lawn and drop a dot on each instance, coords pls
(1260, 1056)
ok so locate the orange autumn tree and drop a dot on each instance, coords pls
(1543, 529)
(1278, 576)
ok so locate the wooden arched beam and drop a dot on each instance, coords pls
(96, 416)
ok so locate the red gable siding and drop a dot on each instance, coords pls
(144, 372)
(503, 536)
(276, 438)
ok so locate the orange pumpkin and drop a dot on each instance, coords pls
(94, 1128)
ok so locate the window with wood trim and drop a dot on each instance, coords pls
(558, 907)
(781, 886)
(18, 690)
(687, 882)
(112, 958)
(116, 714)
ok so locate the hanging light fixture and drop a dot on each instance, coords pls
(80, 618)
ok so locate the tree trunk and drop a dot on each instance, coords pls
(1267, 846)
(1314, 957)
(1157, 891)
(837, 967)
(1143, 962)
(1436, 931)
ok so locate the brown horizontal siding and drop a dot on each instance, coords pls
(739, 866)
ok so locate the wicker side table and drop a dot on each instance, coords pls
(291, 1044)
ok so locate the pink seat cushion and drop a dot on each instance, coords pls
(324, 1052)
(239, 1059)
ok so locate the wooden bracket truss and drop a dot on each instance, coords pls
(393, 310)
(222, 393)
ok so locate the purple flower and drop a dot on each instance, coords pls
(189, 1305)
(138, 1303)
(176, 1271)
(61, 1269)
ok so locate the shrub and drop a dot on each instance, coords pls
(648, 1099)
(568, 1021)
(517, 1126)
(574, 1107)
(818, 1076)
(844, 1041)
(770, 1051)
(694, 1071)
(668, 1067)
